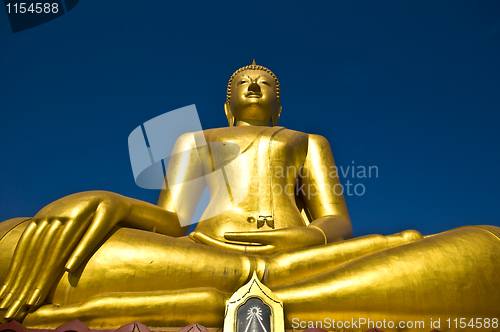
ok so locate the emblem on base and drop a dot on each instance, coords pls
(254, 308)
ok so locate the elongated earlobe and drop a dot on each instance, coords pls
(276, 117)
(229, 114)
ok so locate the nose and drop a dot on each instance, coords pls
(254, 87)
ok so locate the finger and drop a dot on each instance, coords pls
(100, 225)
(41, 257)
(261, 250)
(26, 261)
(244, 243)
(17, 258)
(22, 314)
(204, 239)
(66, 240)
(23, 261)
(266, 237)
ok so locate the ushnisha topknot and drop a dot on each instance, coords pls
(253, 66)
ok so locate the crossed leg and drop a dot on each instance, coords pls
(164, 281)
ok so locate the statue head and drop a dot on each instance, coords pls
(253, 96)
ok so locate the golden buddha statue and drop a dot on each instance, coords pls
(107, 259)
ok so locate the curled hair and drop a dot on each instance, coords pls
(253, 66)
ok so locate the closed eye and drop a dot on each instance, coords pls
(242, 82)
(264, 82)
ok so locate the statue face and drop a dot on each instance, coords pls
(253, 96)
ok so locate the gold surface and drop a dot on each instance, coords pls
(107, 259)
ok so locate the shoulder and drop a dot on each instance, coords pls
(293, 134)
(311, 138)
(319, 150)
(318, 141)
(190, 140)
(214, 134)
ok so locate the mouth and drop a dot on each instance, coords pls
(252, 94)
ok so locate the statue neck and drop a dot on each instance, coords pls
(252, 123)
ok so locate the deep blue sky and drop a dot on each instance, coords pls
(410, 87)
